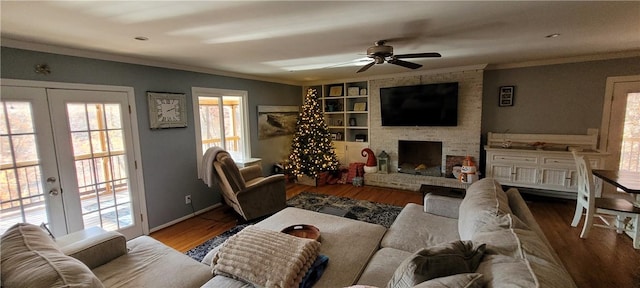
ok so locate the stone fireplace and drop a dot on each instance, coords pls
(420, 157)
(460, 140)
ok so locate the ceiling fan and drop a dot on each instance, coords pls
(381, 53)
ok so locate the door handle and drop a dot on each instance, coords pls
(54, 192)
(51, 180)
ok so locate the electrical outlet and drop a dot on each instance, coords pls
(187, 199)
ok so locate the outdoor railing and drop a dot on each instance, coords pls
(630, 154)
(232, 143)
(28, 177)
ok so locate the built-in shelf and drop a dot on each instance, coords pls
(346, 109)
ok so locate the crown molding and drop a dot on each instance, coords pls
(47, 48)
(403, 74)
(566, 60)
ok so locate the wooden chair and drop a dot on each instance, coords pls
(627, 216)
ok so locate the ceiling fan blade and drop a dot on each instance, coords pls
(365, 67)
(406, 64)
(418, 55)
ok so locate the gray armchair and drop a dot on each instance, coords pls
(247, 191)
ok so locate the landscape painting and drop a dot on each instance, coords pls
(276, 121)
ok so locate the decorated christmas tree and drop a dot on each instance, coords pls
(311, 150)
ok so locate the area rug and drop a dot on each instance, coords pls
(361, 210)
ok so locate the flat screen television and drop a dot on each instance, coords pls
(420, 105)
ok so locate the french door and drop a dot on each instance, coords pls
(621, 123)
(620, 128)
(67, 160)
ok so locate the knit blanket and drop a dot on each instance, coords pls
(206, 172)
(266, 258)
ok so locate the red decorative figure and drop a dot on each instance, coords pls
(371, 158)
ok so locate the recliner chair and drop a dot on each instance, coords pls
(247, 191)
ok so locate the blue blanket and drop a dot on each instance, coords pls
(315, 272)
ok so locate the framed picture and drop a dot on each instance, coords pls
(360, 106)
(353, 91)
(335, 91)
(167, 110)
(505, 96)
(276, 121)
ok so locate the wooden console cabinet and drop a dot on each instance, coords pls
(549, 166)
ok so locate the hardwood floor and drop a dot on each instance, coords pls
(605, 259)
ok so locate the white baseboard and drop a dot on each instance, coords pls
(154, 229)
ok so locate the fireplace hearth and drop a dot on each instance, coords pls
(420, 157)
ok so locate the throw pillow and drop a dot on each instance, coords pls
(466, 280)
(30, 258)
(438, 261)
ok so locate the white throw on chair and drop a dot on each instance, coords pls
(627, 216)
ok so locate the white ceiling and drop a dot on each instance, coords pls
(302, 41)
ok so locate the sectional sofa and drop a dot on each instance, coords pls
(491, 231)
(515, 252)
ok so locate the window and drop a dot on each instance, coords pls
(221, 120)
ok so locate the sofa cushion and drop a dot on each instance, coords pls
(516, 255)
(381, 267)
(521, 210)
(437, 261)
(506, 271)
(149, 263)
(414, 229)
(484, 200)
(30, 258)
(464, 280)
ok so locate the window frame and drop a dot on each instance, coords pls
(196, 93)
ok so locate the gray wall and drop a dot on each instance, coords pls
(552, 99)
(168, 156)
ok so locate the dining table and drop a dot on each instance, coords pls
(627, 181)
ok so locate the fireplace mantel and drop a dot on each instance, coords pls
(410, 182)
(461, 140)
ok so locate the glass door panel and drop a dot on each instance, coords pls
(95, 140)
(29, 190)
(98, 150)
(630, 154)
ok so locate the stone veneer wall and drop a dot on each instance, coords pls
(461, 140)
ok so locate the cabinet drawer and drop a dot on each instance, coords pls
(595, 163)
(515, 158)
(559, 160)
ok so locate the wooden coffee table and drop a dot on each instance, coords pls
(335, 211)
(443, 191)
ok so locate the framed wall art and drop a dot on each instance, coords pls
(167, 110)
(360, 106)
(505, 96)
(335, 91)
(276, 121)
(353, 91)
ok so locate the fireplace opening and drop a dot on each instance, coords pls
(420, 157)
